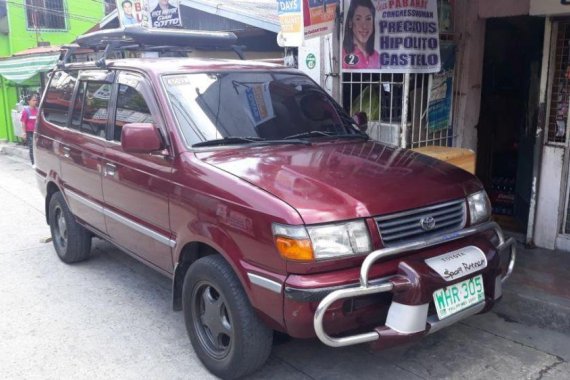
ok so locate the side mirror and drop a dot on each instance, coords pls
(141, 138)
(361, 120)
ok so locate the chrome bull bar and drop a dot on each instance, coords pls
(366, 289)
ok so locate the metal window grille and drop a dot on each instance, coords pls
(559, 96)
(397, 104)
(45, 14)
(381, 96)
(419, 131)
(567, 221)
(3, 11)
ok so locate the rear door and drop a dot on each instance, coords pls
(82, 148)
(137, 186)
(52, 122)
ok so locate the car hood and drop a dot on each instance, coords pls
(335, 181)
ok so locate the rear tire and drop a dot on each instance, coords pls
(225, 331)
(71, 241)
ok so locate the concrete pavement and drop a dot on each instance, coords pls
(111, 317)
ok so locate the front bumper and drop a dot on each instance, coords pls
(411, 289)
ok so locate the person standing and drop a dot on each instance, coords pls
(28, 119)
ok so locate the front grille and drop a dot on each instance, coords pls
(406, 226)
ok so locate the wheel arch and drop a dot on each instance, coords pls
(188, 255)
(51, 189)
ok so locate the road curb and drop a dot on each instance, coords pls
(14, 150)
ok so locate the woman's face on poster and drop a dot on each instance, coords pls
(362, 25)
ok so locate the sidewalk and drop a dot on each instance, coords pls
(15, 150)
(537, 294)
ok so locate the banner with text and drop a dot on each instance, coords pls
(319, 16)
(131, 12)
(164, 13)
(290, 15)
(391, 36)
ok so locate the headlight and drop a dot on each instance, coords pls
(322, 242)
(479, 207)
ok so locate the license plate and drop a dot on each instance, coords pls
(454, 298)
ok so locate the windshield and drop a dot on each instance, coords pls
(254, 106)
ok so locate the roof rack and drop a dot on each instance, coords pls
(139, 38)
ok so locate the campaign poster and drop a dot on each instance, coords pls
(131, 12)
(290, 13)
(391, 36)
(440, 97)
(257, 99)
(164, 13)
(319, 17)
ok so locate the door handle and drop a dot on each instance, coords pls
(110, 170)
(66, 151)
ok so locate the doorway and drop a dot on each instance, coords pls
(509, 114)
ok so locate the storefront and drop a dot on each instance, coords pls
(506, 75)
(516, 64)
(21, 75)
(551, 226)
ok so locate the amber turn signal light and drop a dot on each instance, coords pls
(293, 249)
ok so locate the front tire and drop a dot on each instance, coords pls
(225, 331)
(71, 241)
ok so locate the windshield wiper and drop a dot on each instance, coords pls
(308, 134)
(228, 141)
(358, 135)
(250, 140)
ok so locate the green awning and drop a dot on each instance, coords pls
(20, 69)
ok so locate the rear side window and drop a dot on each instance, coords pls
(131, 108)
(95, 108)
(78, 107)
(55, 107)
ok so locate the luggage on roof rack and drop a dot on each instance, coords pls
(147, 38)
(136, 37)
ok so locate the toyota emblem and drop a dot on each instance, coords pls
(427, 223)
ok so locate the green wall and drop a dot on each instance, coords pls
(82, 15)
(8, 98)
(4, 45)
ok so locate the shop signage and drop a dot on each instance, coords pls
(311, 61)
(290, 15)
(549, 7)
(319, 16)
(392, 36)
(304, 19)
(150, 13)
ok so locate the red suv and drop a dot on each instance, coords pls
(261, 198)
